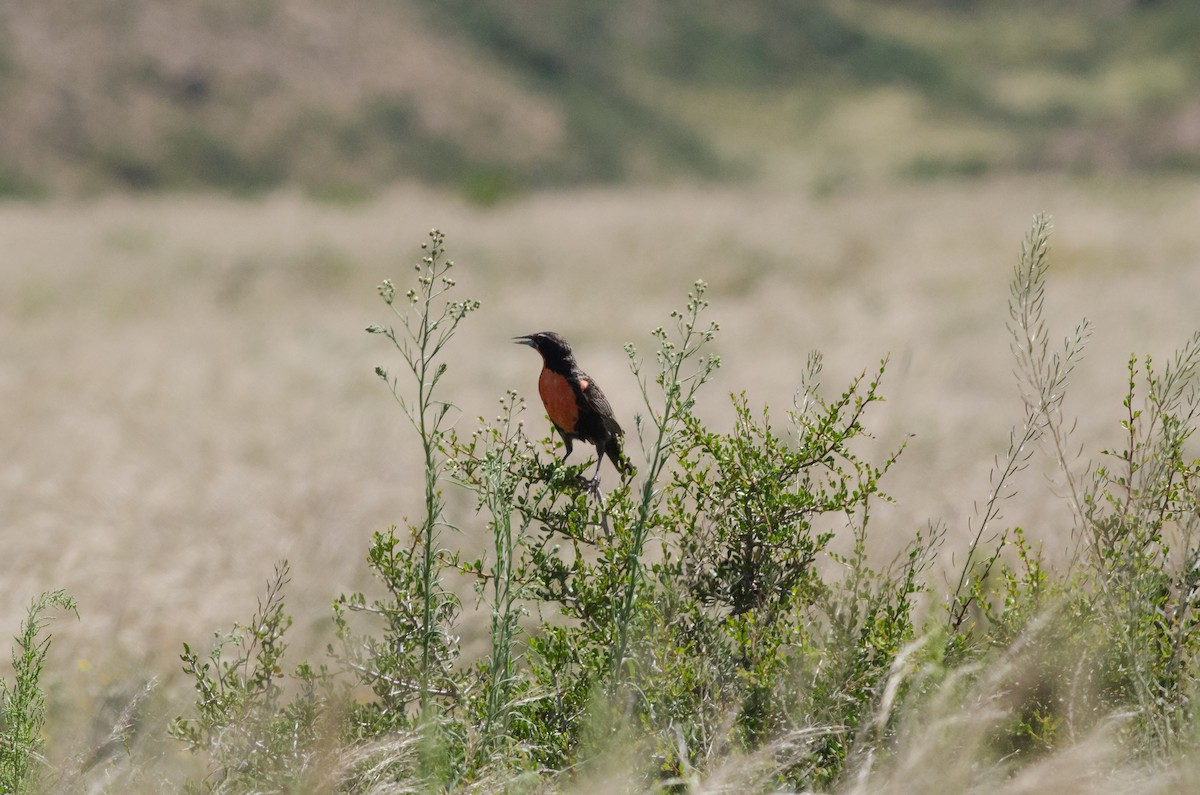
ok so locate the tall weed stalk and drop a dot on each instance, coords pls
(1042, 377)
(426, 326)
(661, 431)
(410, 664)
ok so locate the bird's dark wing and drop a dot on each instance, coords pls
(597, 405)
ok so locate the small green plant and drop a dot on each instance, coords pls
(502, 586)
(1141, 525)
(254, 736)
(23, 703)
(409, 665)
(689, 600)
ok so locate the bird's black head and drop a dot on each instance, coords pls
(554, 349)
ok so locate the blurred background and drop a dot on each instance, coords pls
(198, 198)
(492, 99)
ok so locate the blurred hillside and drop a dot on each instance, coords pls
(492, 96)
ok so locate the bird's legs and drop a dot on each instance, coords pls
(594, 484)
(594, 488)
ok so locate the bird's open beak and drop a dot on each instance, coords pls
(525, 340)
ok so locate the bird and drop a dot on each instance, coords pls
(575, 404)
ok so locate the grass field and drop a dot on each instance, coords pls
(188, 396)
(198, 200)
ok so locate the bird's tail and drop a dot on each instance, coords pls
(620, 460)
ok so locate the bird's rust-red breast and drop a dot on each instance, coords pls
(559, 398)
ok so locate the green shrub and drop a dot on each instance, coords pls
(697, 621)
(23, 703)
(253, 735)
(1117, 630)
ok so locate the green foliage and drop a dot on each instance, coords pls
(194, 156)
(1119, 632)
(23, 703)
(1141, 529)
(742, 607)
(409, 664)
(728, 610)
(726, 604)
(597, 92)
(253, 735)
(16, 184)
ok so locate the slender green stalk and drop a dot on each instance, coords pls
(498, 498)
(1043, 379)
(426, 329)
(678, 397)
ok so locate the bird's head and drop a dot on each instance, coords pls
(550, 345)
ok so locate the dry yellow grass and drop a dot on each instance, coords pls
(187, 393)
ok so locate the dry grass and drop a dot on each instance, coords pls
(188, 394)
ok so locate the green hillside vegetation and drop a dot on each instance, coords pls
(492, 97)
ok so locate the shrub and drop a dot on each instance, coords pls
(253, 735)
(23, 703)
(694, 621)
